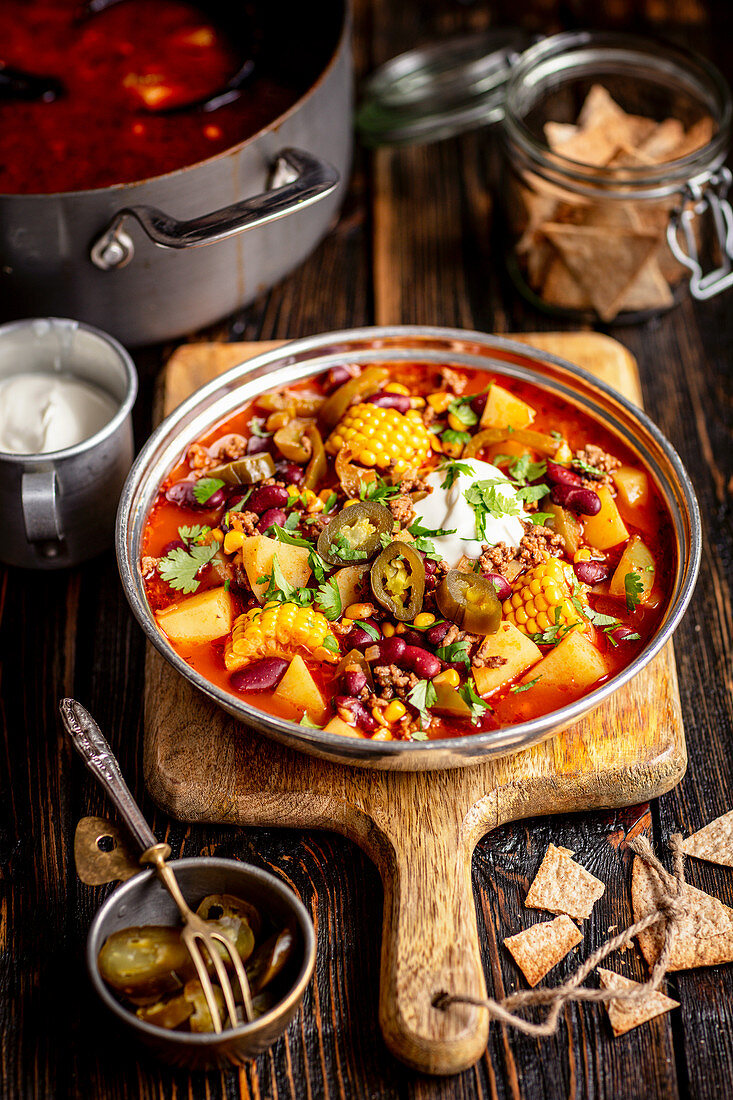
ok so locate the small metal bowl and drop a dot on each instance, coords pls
(143, 900)
(493, 354)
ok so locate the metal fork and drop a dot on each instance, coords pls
(94, 750)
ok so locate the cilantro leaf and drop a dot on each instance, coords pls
(455, 653)
(179, 567)
(331, 644)
(330, 503)
(371, 630)
(292, 521)
(541, 518)
(450, 435)
(419, 735)
(524, 470)
(532, 493)
(328, 599)
(318, 566)
(586, 468)
(556, 434)
(423, 696)
(633, 586)
(417, 529)
(452, 471)
(205, 488)
(378, 490)
(525, 687)
(486, 500)
(461, 409)
(430, 626)
(470, 696)
(193, 534)
(283, 535)
(342, 548)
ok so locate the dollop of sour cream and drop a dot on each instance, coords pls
(44, 411)
(447, 509)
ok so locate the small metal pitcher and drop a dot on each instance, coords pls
(58, 508)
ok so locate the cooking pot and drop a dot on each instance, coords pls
(130, 258)
(305, 358)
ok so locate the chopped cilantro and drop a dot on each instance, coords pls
(541, 518)
(330, 503)
(179, 567)
(378, 490)
(306, 720)
(525, 687)
(419, 735)
(371, 630)
(423, 696)
(292, 521)
(417, 529)
(633, 587)
(280, 590)
(455, 653)
(328, 599)
(318, 566)
(524, 470)
(257, 427)
(532, 493)
(227, 584)
(295, 498)
(461, 409)
(556, 434)
(452, 471)
(205, 488)
(586, 468)
(331, 644)
(486, 500)
(450, 435)
(193, 534)
(341, 546)
(283, 535)
(470, 696)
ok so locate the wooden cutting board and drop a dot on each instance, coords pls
(419, 828)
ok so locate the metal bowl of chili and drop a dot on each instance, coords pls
(569, 392)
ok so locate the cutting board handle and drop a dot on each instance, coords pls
(429, 945)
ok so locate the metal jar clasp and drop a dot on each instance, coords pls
(698, 198)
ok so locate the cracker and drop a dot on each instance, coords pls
(538, 948)
(625, 1015)
(562, 886)
(649, 290)
(703, 936)
(604, 261)
(713, 843)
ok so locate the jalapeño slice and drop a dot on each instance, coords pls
(470, 601)
(398, 581)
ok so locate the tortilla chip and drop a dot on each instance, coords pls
(625, 1015)
(713, 843)
(704, 935)
(562, 289)
(698, 135)
(614, 215)
(562, 886)
(558, 132)
(538, 948)
(599, 106)
(595, 146)
(649, 290)
(627, 157)
(604, 261)
(663, 140)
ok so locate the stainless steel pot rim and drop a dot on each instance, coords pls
(203, 1039)
(123, 410)
(494, 742)
(119, 189)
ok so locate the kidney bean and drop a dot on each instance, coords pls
(420, 661)
(358, 638)
(272, 515)
(412, 637)
(561, 475)
(266, 497)
(478, 403)
(355, 680)
(399, 401)
(216, 500)
(362, 717)
(290, 472)
(391, 650)
(430, 565)
(236, 496)
(174, 544)
(256, 445)
(337, 376)
(623, 634)
(591, 572)
(182, 494)
(435, 635)
(261, 675)
(501, 584)
(583, 501)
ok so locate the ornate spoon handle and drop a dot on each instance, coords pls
(92, 746)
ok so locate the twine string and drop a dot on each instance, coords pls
(670, 910)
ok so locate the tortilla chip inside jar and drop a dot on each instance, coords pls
(539, 948)
(562, 886)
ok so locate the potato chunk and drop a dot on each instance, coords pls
(504, 410)
(565, 673)
(257, 554)
(298, 692)
(636, 558)
(632, 486)
(349, 583)
(518, 652)
(567, 525)
(337, 725)
(607, 529)
(201, 618)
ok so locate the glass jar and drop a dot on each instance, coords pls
(605, 230)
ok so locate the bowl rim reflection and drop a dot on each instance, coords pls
(285, 1006)
(307, 357)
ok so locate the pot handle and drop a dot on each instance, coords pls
(297, 180)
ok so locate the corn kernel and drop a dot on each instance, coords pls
(583, 554)
(542, 600)
(423, 620)
(449, 677)
(278, 420)
(233, 541)
(563, 454)
(388, 630)
(359, 611)
(382, 734)
(217, 535)
(400, 628)
(378, 716)
(439, 401)
(396, 387)
(394, 711)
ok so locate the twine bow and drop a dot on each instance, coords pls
(670, 909)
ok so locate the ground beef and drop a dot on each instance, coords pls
(496, 559)
(453, 380)
(402, 509)
(536, 543)
(316, 524)
(415, 484)
(246, 522)
(226, 449)
(601, 462)
(391, 682)
(148, 565)
(480, 660)
(429, 416)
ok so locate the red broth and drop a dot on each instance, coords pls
(650, 522)
(117, 65)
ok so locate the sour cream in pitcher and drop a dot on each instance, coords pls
(44, 411)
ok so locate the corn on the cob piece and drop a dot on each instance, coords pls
(279, 630)
(381, 437)
(541, 599)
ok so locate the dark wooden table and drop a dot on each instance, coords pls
(429, 211)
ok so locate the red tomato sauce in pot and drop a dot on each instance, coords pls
(567, 607)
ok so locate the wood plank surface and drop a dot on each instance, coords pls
(72, 633)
